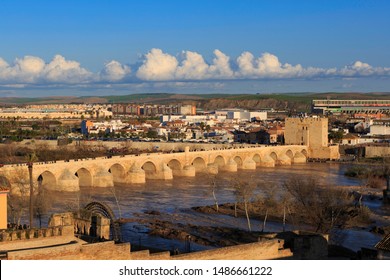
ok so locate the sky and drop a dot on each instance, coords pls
(204, 46)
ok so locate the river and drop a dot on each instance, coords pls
(174, 199)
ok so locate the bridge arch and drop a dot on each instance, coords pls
(256, 158)
(199, 164)
(150, 169)
(85, 177)
(220, 161)
(174, 164)
(290, 154)
(105, 210)
(238, 160)
(118, 172)
(304, 152)
(274, 156)
(47, 180)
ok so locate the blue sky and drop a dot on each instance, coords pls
(121, 47)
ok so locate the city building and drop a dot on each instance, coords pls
(242, 115)
(326, 106)
(89, 127)
(151, 110)
(380, 127)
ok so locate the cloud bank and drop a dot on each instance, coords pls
(157, 66)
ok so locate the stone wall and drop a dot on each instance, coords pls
(264, 250)
(270, 249)
(377, 151)
(34, 238)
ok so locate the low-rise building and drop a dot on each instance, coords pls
(380, 127)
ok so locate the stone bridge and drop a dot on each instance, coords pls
(130, 169)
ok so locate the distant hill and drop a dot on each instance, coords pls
(295, 101)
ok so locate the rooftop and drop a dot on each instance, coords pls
(384, 244)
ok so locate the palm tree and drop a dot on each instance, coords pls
(30, 159)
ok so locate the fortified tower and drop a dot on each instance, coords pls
(311, 132)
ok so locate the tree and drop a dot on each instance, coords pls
(151, 134)
(213, 183)
(18, 201)
(30, 159)
(267, 201)
(336, 136)
(323, 208)
(113, 192)
(41, 205)
(244, 193)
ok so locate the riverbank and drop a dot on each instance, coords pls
(228, 226)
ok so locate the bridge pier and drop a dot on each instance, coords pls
(136, 175)
(187, 171)
(284, 160)
(103, 179)
(67, 182)
(164, 173)
(230, 166)
(212, 168)
(299, 158)
(249, 164)
(267, 161)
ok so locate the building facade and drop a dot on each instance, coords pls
(325, 106)
(312, 132)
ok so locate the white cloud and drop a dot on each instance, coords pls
(359, 68)
(31, 69)
(3, 64)
(114, 71)
(158, 66)
(221, 66)
(61, 70)
(193, 67)
(268, 66)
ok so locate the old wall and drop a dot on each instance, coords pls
(270, 249)
(34, 238)
(375, 151)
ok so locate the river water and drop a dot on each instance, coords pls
(174, 199)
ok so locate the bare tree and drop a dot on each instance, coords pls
(323, 208)
(18, 201)
(214, 185)
(244, 194)
(113, 192)
(267, 200)
(42, 203)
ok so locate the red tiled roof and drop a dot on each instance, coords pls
(4, 188)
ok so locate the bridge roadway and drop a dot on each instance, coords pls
(122, 170)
